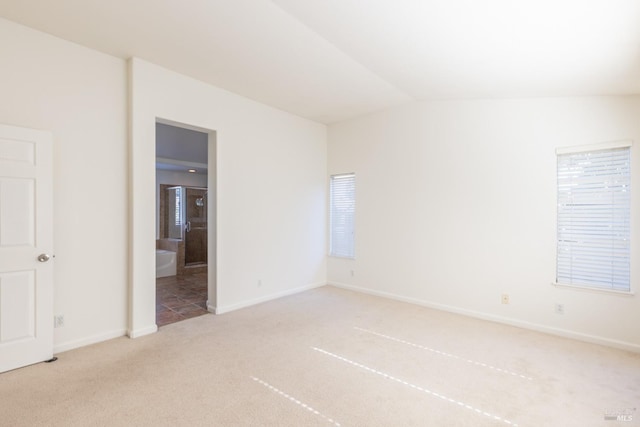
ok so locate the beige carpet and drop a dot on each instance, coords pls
(329, 357)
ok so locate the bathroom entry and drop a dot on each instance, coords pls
(185, 222)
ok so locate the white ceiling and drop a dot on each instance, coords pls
(329, 60)
(180, 149)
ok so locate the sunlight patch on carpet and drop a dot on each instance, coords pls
(418, 388)
(294, 400)
(442, 353)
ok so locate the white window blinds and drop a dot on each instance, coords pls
(594, 217)
(342, 215)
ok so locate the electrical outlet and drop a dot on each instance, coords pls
(58, 321)
(353, 273)
(505, 298)
(259, 283)
(559, 308)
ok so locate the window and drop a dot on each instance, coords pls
(178, 211)
(594, 216)
(341, 215)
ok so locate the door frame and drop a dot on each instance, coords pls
(142, 233)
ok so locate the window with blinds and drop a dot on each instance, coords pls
(594, 216)
(342, 215)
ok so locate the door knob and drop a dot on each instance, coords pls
(43, 257)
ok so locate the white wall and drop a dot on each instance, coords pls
(456, 204)
(441, 219)
(271, 167)
(79, 95)
(271, 191)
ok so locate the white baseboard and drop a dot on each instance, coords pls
(211, 308)
(623, 345)
(249, 303)
(140, 332)
(70, 345)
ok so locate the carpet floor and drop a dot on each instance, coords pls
(329, 357)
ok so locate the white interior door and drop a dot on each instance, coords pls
(26, 235)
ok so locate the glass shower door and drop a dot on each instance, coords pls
(195, 204)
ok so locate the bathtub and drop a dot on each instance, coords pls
(165, 263)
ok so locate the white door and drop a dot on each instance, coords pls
(26, 234)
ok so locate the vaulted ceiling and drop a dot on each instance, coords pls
(330, 60)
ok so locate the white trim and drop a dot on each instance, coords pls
(593, 289)
(594, 147)
(70, 345)
(255, 301)
(342, 257)
(499, 319)
(184, 163)
(140, 332)
(211, 308)
(343, 175)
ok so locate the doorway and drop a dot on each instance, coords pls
(185, 222)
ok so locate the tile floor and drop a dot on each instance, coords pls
(180, 297)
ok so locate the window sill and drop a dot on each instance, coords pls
(342, 257)
(596, 290)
